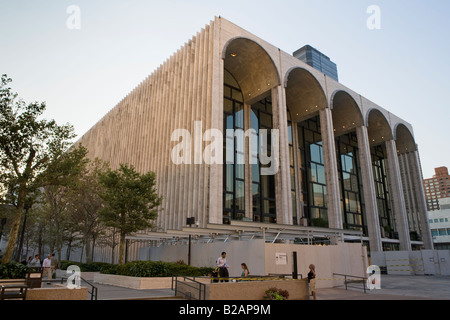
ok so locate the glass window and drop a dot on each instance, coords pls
(315, 153)
(234, 170)
(264, 203)
(312, 172)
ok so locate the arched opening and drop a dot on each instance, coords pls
(251, 66)
(378, 127)
(347, 117)
(304, 94)
(404, 139)
(379, 131)
(249, 76)
(305, 98)
(406, 145)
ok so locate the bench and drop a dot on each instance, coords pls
(13, 292)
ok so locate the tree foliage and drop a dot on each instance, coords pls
(130, 201)
(28, 144)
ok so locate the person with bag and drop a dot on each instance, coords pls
(312, 280)
(223, 267)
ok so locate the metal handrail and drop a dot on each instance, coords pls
(201, 286)
(364, 279)
(284, 275)
(94, 289)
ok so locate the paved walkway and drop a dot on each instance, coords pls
(392, 288)
(106, 292)
(395, 288)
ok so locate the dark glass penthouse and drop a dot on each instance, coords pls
(317, 60)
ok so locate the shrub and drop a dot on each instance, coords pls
(84, 267)
(143, 269)
(276, 294)
(13, 271)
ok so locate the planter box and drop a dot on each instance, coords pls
(250, 290)
(133, 282)
(85, 275)
(57, 294)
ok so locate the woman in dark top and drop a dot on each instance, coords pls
(312, 280)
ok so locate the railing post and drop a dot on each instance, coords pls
(345, 280)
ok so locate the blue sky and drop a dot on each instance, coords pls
(82, 74)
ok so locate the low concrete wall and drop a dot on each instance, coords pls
(133, 282)
(424, 262)
(344, 258)
(263, 258)
(57, 294)
(250, 291)
(85, 275)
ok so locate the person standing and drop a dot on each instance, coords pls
(47, 265)
(35, 263)
(54, 264)
(223, 267)
(312, 280)
(245, 271)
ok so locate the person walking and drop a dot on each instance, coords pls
(47, 265)
(312, 280)
(223, 267)
(54, 264)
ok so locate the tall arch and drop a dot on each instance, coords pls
(404, 139)
(304, 94)
(347, 114)
(251, 66)
(379, 129)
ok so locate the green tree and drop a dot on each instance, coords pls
(58, 181)
(130, 202)
(28, 144)
(84, 204)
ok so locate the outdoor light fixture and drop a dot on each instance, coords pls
(233, 54)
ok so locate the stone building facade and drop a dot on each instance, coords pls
(341, 156)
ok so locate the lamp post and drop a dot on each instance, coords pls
(190, 222)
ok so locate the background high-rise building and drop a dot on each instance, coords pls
(437, 188)
(317, 60)
(440, 225)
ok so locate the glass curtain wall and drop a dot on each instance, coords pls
(350, 182)
(388, 229)
(292, 170)
(234, 189)
(263, 187)
(312, 168)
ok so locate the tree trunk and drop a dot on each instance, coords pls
(22, 236)
(113, 246)
(87, 244)
(14, 232)
(122, 248)
(69, 249)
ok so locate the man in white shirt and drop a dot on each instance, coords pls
(47, 265)
(222, 264)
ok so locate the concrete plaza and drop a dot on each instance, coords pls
(393, 288)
